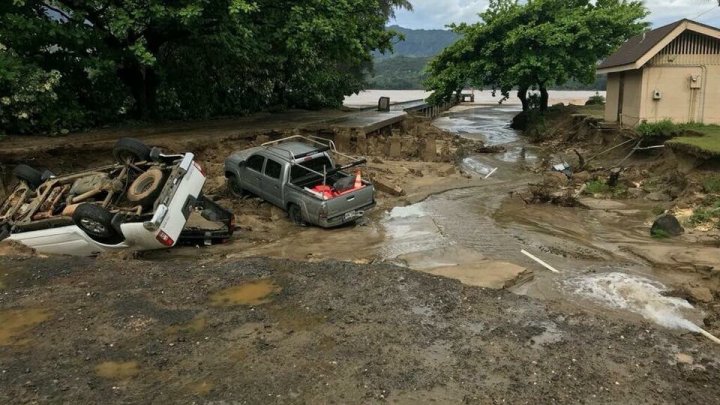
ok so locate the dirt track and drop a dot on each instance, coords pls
(138, 331)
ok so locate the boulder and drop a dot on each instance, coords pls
(700, 294)
(667, 224)
(658, 196)
(581, 177)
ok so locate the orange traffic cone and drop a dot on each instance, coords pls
(358, 179)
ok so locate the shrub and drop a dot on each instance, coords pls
(660, 129)
(597, 99)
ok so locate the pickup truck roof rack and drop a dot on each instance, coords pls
(325, 145)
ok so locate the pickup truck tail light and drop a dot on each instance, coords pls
(166, 240)
(200, 168)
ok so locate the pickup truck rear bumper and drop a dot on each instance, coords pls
(345, 218)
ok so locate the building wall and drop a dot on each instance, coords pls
(678, 101)
(711, 102)
(611, 97)
(632, 98)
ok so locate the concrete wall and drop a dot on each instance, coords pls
(711, 101)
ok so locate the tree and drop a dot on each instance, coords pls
(78, 63)
(534, 46)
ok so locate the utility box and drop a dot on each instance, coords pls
(657, 95)
(695, 82)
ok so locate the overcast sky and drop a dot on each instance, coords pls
(438, 13)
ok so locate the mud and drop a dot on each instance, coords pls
(336, 332)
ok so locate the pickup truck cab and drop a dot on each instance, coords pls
(299, 175)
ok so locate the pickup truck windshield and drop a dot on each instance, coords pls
(298, 172)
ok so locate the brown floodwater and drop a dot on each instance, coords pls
(251, 293)
(16, 325)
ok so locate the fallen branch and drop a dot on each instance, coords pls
(547, 266)
(709, 336)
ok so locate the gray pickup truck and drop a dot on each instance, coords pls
(299, 175)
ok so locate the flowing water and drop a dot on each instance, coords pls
(460, 227)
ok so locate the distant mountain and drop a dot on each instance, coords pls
(420, 42)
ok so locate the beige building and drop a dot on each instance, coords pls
(672, 72)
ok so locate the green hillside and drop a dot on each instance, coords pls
(399, 73)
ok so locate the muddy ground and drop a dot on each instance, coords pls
(267, 331)
(341, 324)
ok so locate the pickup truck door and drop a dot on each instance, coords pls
(252, 175)
(272, 182)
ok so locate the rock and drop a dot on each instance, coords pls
(667, 224)
(555, 179)
(658, 196)
(388, 188)
(416, 172)
(490, 149)
(700, 294)
(581, 177)
(636, 193)
(377, 160)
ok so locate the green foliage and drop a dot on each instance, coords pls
(597, 187)
(70, 64)
(536, 44)
(660, 129)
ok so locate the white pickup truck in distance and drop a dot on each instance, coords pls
(142, 202)
(299, 175)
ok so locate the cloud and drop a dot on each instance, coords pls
(437, 14)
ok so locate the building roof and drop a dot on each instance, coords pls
(637, 50)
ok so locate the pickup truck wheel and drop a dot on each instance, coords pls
(129, 150)
(31, 177)
(234, 188)
(146, 187)
(295, 215)
(96, 222)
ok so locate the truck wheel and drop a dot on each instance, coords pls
(295, 215)
(129, 150)
(146, 187)
(234, 187)
(31, 177)
(96, 222)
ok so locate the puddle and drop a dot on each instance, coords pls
(15, 323)
(252, 293)
(113, 370)
(635, 294)
(197, 325)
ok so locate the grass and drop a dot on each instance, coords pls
(711, 184)
(595, 111)
(705, 145)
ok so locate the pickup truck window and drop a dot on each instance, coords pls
(317, 164)
(273, 169)
(255, 162)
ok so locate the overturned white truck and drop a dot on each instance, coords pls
(147, 200)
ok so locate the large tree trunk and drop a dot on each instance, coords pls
(143, 84)
(522, 95)
(544, 98)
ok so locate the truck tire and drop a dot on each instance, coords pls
(129, 150)
(31, 177)
(234, 188)
(146, 188)
(295, 215)
(96, 222)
